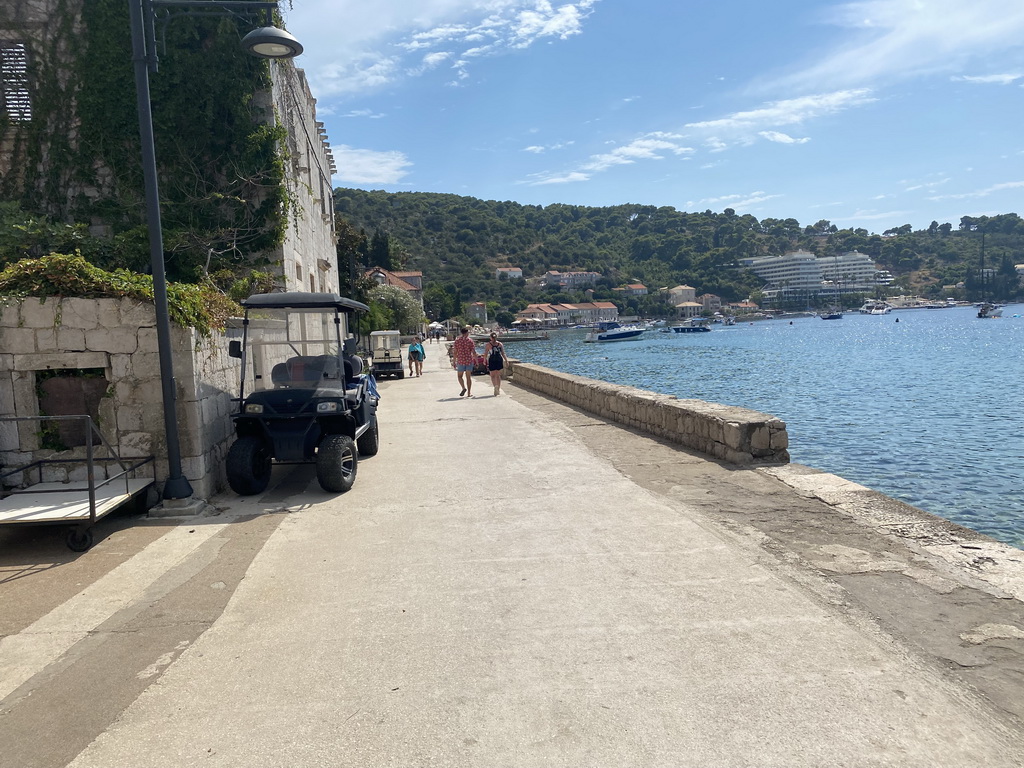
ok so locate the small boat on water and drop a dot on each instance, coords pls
(834, 313)
(987, 310)
(611, 331)
(689, 326)
(875, 308)
(504, 336)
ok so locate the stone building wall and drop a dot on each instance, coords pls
(309, 260)
(119, 337)
(736, 435)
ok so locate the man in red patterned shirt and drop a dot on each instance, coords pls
(463, 359)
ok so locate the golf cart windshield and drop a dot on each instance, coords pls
(294, 348)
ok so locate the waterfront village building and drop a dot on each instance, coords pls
(634, 289)
(551, 315)
(477, 312)
(802, 273)
(509, 272)
(307, 257)
(410, 282)
(710, 302)
(569, 280)
(681, 293)
(687, 309)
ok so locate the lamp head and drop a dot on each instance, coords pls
(271, 43)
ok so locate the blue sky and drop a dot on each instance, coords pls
(869, 114)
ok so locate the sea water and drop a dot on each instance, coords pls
(925, 406)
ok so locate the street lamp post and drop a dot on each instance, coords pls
(267, 42)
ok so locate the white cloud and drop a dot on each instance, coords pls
(652, 146)
(899, 39)
(565, 178)
(870, 215)
(781, 138)
(368, 113)
(731, 201)
(366, 166)
(982, 192)
(538, 149)
(352, 48)
(925, 184)
(1006, 79)
(743, 127)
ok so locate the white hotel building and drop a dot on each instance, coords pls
(801, 272)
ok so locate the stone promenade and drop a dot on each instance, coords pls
(514, 583)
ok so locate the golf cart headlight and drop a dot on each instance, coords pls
(254, 408)
(326, 407)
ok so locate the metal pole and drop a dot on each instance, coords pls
(177, 485)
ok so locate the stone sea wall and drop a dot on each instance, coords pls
(736, 435)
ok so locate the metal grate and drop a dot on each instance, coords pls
(16, 102)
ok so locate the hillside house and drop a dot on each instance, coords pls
(410, 282)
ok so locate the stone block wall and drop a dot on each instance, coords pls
(119, 337)
(732, 434)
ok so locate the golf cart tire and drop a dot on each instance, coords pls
(369, 442)
(336, 463)
(401, 374)
(248, 466)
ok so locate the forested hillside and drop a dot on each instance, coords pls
(459, 241)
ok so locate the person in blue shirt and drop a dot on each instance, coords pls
(416, 356)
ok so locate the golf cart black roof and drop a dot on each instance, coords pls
(299, 300)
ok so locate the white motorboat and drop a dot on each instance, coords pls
(875, 308)
(614, 332)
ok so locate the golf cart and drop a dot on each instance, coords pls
(303, 397)
(386, 347)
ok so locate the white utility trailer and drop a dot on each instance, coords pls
(109, 483)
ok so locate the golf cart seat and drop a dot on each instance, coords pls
(305, 371)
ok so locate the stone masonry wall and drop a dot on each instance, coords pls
(119, 336)
(732, 434)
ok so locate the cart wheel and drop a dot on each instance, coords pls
(369, 441)
(79, 540)
(336, 463)
(248, 466)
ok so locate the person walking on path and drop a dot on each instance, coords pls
(494, 352)
(463, 359)
(416, 356)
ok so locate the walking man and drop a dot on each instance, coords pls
(463, 358)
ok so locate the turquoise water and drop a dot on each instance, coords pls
(928, 410)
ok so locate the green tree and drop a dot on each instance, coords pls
(403, 310)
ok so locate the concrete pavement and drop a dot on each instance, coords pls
(514, 583)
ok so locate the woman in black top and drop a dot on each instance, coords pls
(494, 352)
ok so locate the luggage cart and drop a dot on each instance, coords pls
(71, 503)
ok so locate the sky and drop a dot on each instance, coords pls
(870, 114)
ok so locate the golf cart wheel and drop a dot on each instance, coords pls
(336, 463)
(401, 374)
(369, 442)
(249, 464)
(78, 540)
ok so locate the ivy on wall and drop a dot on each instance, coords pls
(220, 154)
(201, 306)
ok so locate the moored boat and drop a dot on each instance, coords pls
(504, 336)
(614, 332)
(690, 326)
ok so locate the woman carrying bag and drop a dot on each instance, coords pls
(494, 353)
